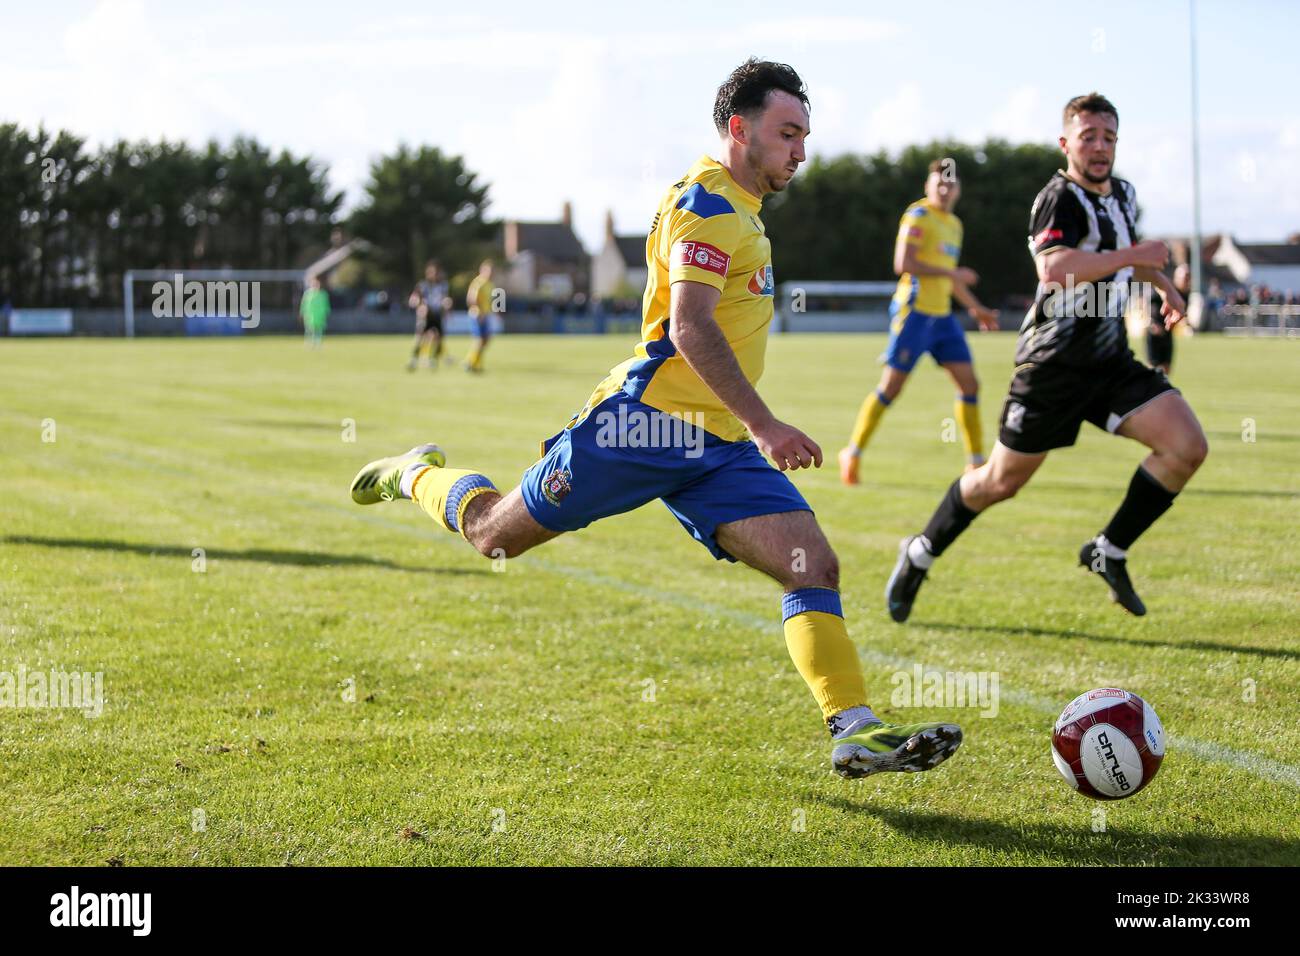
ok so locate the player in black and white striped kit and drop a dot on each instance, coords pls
(431, 300)
(1074, 364)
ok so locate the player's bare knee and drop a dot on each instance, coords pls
(1004, 485)
(1195, 451)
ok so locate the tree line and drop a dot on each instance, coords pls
(73, 219)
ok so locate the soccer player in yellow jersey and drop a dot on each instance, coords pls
(479, 299)
(681, 421)
(925, 258)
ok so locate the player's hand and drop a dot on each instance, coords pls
(1174, 308)
(786, 446)
(413, 301)
(965, 275)
(1152, 254)
(987, 318)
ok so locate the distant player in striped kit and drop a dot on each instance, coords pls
(431, 301)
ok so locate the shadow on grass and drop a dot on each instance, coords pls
(1078, 844)
(306, 559)
(1261, 436)
(1191, 489)
(1279, 652)
(284, 423)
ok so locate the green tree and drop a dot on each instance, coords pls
(839, 218)
(421, 205)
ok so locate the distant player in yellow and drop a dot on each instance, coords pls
(925, 258)
(682, 421)
(480, 300)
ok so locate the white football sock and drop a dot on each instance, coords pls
(1109, 550)
(410, 474)
(918, 552)
(851, 720)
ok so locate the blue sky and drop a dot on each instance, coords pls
(605, 107)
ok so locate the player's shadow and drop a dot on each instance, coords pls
(306, 559)
(1281, 652)
(1078, 844)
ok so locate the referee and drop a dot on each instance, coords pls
(1074, 364)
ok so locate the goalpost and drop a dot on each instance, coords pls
(214, 279)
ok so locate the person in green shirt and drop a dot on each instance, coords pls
(314, 311)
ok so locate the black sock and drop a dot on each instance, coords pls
(950, 519)
(1146, 501)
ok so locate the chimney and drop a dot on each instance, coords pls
(609, 224)
(567, 216)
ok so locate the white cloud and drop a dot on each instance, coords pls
(898, 121)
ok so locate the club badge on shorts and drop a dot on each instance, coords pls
(557, 485)
(1015, 419)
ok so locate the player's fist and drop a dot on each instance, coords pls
(1174, 309)
(786, 446)
(1152, 254)
(987, 318)
(965, 275)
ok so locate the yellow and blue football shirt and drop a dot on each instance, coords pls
(706, 230)
(936, 235)
(480, 295)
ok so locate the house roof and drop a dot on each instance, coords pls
(1271, 253)
(555, 240)
(631, 249)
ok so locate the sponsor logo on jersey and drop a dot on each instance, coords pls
(701, 255)
(760, 283)
(949, 249)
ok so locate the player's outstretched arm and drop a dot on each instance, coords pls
(1062, 263)
(696, 335)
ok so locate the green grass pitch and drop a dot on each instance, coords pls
(352, 686)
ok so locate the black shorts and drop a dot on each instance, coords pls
(1160, 348)
(1046, 404)
(431, 322)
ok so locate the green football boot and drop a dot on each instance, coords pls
(880, 747)
(381, 480)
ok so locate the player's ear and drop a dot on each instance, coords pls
(1061, 140)
(738, 128)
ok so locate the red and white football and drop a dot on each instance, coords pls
(1108, 743)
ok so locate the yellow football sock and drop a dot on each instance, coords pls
(444, 493)
(968, 420)
(868, 418)
(821, 649)
(475, 358)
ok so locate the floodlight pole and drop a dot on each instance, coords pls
(1196, 163)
